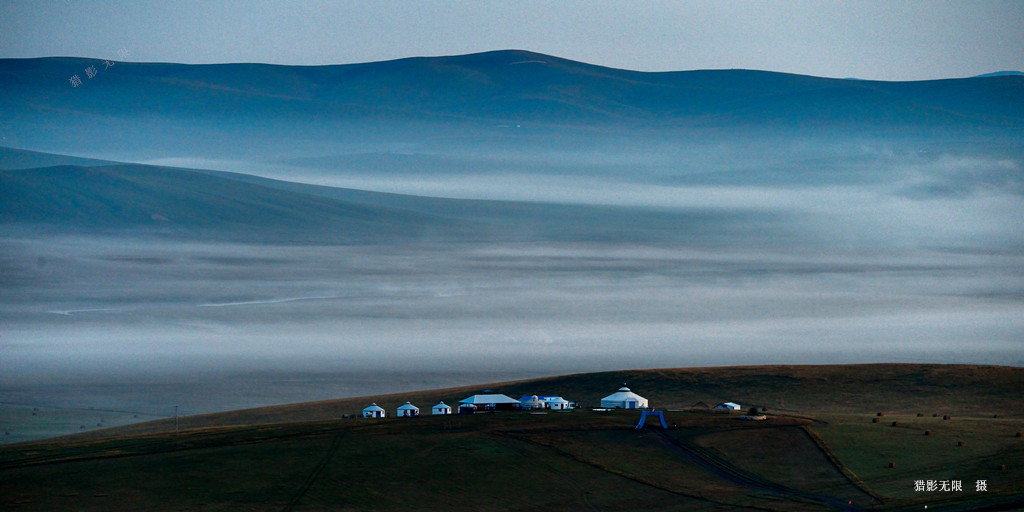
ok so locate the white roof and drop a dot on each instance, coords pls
(554, 399)
(622, 395)
(442, 405)
(373, 407)
(730, 405)
(488, 399)
(408, 406)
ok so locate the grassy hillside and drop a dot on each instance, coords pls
(889, 388)
(579, 460)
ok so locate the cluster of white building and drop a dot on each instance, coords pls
(621, 399)
(624, 398)
(406, 410)
(488, 402)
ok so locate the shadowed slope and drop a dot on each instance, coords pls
(214, 205)
(11, 158)
(175, 201)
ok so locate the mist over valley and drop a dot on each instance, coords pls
(438, 221)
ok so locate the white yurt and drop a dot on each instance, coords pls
(374, 411)
(624, 399)
(408, 410)
(441, 408)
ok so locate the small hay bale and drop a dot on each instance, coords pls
(874, 420)
(919, 415)
(945, 417)
(995, 415)
(1002, 467)
(892, 465)
(1019, 434)
(895, 423)
(927, 432)
(880, 414)
(935, 415)
(959, 443)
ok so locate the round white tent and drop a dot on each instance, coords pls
(441, 408)
(624, 399)
(374, 411)
(408, 410)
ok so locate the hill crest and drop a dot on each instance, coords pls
(894, 387)
(495, 87)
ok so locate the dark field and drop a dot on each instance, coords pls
(813, 454)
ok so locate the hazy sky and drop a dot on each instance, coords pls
(885, 40)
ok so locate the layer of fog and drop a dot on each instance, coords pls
(854, 192)
(883, 251)
(106, 311)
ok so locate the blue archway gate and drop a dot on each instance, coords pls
(645, 414)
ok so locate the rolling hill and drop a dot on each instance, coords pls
(187, 203)
(98, 197)
(795, 389)
(500, 86)
(166, 107)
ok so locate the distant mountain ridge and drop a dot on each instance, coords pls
(262, 103)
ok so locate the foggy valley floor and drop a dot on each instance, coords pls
(142, 324)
